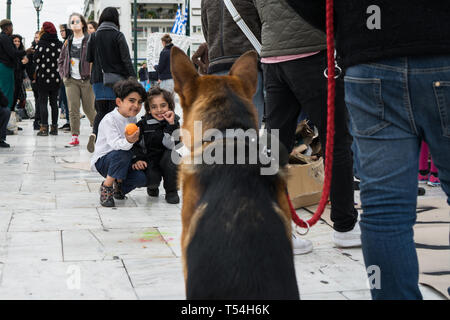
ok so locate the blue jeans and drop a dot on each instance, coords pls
(117, 164)
(63, 104)
(394, 104)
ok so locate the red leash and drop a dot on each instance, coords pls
(330, 127)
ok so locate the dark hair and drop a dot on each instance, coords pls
(109, 14)
(94, 24)
(166, 38)
(21, 47)
(82, 19)
(5, 26)
(124, 88)
(156, 91)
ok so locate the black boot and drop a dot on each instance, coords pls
(152, 191)
(54, 130)
(106, 196)
(172, 197)
(43, 131)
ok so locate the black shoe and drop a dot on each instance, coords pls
(19, 128)
(421, 191)
(9, 132)
(152, 192)
(3, 144)
(172, 197)
(64, 126)
(106, 196)
(36, 126)
(67, 129)
(118, 193)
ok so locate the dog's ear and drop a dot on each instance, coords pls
(184, 75)
(246, 69)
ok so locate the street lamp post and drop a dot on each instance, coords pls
(38, 6)
(135, 46)
(8, 9)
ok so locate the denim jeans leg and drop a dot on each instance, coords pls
(388, 150)
(135, 179)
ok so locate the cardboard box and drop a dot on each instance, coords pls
(305, 183)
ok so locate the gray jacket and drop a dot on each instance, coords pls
(226, 41)
(284, 32)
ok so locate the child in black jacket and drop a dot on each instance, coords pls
(152, 152)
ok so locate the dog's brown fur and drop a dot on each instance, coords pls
(196, 92)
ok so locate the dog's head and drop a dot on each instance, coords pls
(219, 102)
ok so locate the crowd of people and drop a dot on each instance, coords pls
(392, 101)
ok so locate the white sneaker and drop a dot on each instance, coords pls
(348, 239)
(301, 246)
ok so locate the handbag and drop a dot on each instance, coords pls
(109, 78)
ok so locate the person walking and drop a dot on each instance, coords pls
(65, 33)
(48, 80)
(143, 75)
(163, 68)
(397, 85)
(108, 52)
(75, 71)
(9, 55)
(19, 75)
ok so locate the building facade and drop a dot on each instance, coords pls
(152, 16)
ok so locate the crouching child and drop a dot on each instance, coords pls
(152, 152)
(113, 156)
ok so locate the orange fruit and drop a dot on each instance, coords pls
(130, 129)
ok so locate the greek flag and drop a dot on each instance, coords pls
(179, 27)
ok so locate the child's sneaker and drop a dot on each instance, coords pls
(172, 197)
(118, 193)
(106, 196)
(434, 180)
(423, 178)
(153, 192)
(75, 141)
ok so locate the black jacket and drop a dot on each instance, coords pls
(155, 138)
(408, 27)
(108, 49)
(3, 100)
(143, 74)
(31, 65)
(163, 67)
(9, 55)
(46, 59)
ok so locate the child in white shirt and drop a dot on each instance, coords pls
(112, 156)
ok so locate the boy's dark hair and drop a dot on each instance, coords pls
(124, 88)
(167, 39)
(109, 14)
(168, 96)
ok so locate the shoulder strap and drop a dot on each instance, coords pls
(241, 24)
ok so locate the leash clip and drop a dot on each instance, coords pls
(336, 67)
(304, 233)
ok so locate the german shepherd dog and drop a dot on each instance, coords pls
(236, 237)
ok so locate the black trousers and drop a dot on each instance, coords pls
(44, 97)
(162, 168)
(298, 85)
(5, 114)
(102, 107)
(37, 112)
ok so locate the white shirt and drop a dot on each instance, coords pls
(111, 135)
(75, 58)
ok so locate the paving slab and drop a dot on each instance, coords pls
(89, 280)
(34, 246)
(55, 220)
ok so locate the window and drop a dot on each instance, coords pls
(154, 29)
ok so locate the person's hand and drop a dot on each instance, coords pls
(169, 116)
(25, 60)
(132, 138)
(159, 81)
(139, 165)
